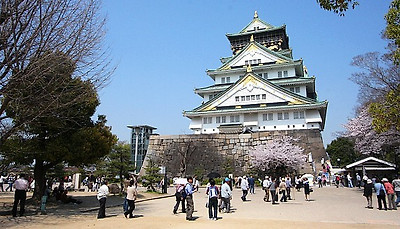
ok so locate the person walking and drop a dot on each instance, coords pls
(212, 192)
(131, 194)
(179, 189)
(349, 182)
(10, 181)
(390, 194)
(252, 182)
(226, 196)
(282, 190)
(396, 185)
(266, 183)
(21, 186)
(306, 185)
(288, 188)
(2, 181)
(102, 193)
(368, 193)
(381, 194)
(358, 180)
(189, 199)
(272, 189)
(245, 187)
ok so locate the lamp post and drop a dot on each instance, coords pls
(338, 161)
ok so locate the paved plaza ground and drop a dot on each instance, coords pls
(330, 207)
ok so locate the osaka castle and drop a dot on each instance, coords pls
(261, 87)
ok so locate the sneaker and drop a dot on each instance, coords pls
(215, 219)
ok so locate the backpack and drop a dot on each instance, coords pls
(213, 192)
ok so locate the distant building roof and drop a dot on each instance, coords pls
(142, 126)
(372, 163)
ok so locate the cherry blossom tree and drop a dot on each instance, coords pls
(367, 140)
(278, 157)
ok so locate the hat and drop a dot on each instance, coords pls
(227, 179)
(385, 180)
(266, 177)
(369, 181)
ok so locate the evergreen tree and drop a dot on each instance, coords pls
(152, 176)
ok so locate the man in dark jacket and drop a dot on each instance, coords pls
(368, 193)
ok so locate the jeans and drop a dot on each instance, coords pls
(288, 193)
(131, 204)
(212, 207)
(283, 198)
(102, 209)
(189, 207)
(19, 198)
(226, 203)
(244, 195)
(398, 197)
(273, 196)
(381, 198)
(252, 188)
(179, 199)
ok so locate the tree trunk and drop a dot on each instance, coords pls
(40, 180)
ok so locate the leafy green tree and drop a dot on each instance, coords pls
(66, 134)
(118, 161)
(392, 30)
(337, 6)
(29, 29)
(343, 149)
(386, 115)
(152, 176)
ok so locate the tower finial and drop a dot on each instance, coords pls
(255, 14)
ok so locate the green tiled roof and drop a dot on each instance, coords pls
(261, 47)
(277, 87)
(322, 104)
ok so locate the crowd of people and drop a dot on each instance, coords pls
(384, 190)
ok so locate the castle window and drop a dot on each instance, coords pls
(253, 97)
(223, 119)
(247, 97)
(291, 89)
(218, 119)
(258, 97)
(265, 75)
(264, 96)
(298, 115)
(283, 116)
(285, 73)
(223, 80)
(243, 98)
(268, 117)
(280, 74)
(234, 118)
(237, 98)
(228, 79)
(297, 89)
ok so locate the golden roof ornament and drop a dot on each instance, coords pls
(252, 38)
(255, 14)
(249, 68)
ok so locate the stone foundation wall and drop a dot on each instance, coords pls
(223, 153)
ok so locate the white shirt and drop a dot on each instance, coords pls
(102, 192)
(245, 184)
(266, 183)
(226, 191)
(21, 184)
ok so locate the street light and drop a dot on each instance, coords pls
(338, 161)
